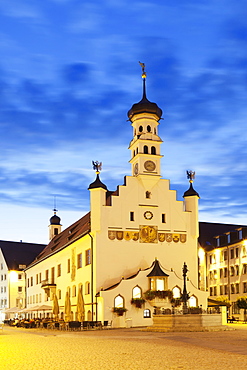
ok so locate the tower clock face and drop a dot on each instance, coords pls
(149, 166)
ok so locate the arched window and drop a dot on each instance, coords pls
(176, 292)
(192, 301)
(136, 292)
(153, 150)
(87, 287)
(140, 128)
(145, 149)
(118, 301)
(58, 294)
(146, 313)
(148, 128)
(136, 150)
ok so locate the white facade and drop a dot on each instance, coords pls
(121, 237)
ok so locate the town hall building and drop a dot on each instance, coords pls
(126, 255)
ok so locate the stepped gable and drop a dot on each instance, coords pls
(66, 237)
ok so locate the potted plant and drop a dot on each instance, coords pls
(138, 302)
(119, 310)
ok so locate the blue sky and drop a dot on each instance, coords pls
(69, 73)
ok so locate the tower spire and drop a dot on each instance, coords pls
(144, 76)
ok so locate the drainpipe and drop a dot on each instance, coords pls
(92, 281)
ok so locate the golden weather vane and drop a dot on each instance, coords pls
(143, 69)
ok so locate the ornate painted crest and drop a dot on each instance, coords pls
(175, 237)
(162, 237)
(169, 238)
(183, 238)
(111, 234)
(120, 235)
(135, 236)
(148, 234)
(127, 235)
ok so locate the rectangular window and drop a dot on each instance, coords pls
(237, 288)
(19, 276)
(244, 268)
(225, 255)
(79, 260)
(163, 218)
(37, 278)
(68, 266)
(244, 287)
(88, 257)
(232, 253)
(1, 266)
(211, 291)
(221, 290)
(210, 259)
(46, 275)
(40, 277)
(31, 281)
(131, 216)
(237, 270)
(19, 289)
(225, 272)
(225, 289)
(232, 289)
(221, 273)
(59, 270)
(28, 282)
(53, 275)
(236, 252)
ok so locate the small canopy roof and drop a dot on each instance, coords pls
(156, 271)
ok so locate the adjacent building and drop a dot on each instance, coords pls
(14, 258)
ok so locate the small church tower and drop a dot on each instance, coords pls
(55, 225)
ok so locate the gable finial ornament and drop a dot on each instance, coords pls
(144, 75)
(191, 175)
(97, 166)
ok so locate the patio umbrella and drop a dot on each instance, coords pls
(55, 308)
(67, 307)
(80, 306)
(11, 310)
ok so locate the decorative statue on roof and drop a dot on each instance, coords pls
(191, 175)
(97, 166)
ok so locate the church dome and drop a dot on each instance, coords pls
(55, 220)
(144, 106)
(97, 184)
(191, 192)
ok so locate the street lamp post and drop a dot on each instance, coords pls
(185, 295)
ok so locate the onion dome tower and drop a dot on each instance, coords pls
(55, 225)
(145, 145)
(191, 198)
(97, 198)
